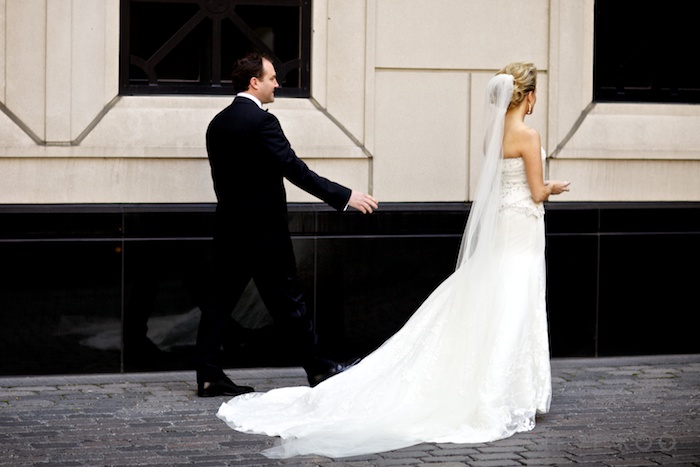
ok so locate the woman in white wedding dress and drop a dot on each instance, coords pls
(472, 363)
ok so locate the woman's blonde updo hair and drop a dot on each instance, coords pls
(524, 80)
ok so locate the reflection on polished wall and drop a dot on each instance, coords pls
(112, 288)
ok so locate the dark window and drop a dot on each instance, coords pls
(188, 46)
(646, 51)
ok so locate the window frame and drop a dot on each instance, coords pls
(638, 53)
(219, 83)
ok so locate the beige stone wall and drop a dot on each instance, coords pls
(397, 96)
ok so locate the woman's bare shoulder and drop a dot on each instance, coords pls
(520, 140)
(527, 133)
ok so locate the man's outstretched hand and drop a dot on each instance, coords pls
(362, 202)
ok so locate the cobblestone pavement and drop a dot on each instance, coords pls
(632, 411)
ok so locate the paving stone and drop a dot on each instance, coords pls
(496, 456)
(605, 412)
(444, 463)
(494, 463)
(548, 461)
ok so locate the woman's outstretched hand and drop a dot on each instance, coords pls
(557, 187)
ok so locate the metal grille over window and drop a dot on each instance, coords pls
(188, 46)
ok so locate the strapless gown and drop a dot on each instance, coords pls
(470, 366)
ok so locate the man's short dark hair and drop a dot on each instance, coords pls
(250, 66)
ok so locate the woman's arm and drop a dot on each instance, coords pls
(531, 152)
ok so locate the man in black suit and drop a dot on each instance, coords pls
(249, 157)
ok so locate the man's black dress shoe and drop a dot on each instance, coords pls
(333, 369)
(221, 387)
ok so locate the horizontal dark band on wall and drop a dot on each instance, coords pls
(133, 222)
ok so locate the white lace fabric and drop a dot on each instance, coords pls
(515, 191)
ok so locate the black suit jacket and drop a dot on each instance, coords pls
(249, 157)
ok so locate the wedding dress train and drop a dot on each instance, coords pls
(470, 366)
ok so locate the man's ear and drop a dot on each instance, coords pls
(253, 83)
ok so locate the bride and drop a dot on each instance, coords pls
(472, 363)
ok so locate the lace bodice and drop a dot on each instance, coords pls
(515, 192)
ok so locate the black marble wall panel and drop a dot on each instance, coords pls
(109, 288)
(646, 294)
(60, 307)
(572, 279)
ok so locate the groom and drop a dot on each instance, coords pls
(249, 157)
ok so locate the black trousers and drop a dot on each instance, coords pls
(268, 259)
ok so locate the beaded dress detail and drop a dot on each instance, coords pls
(515, 192)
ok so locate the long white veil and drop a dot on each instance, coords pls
(481, 225)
